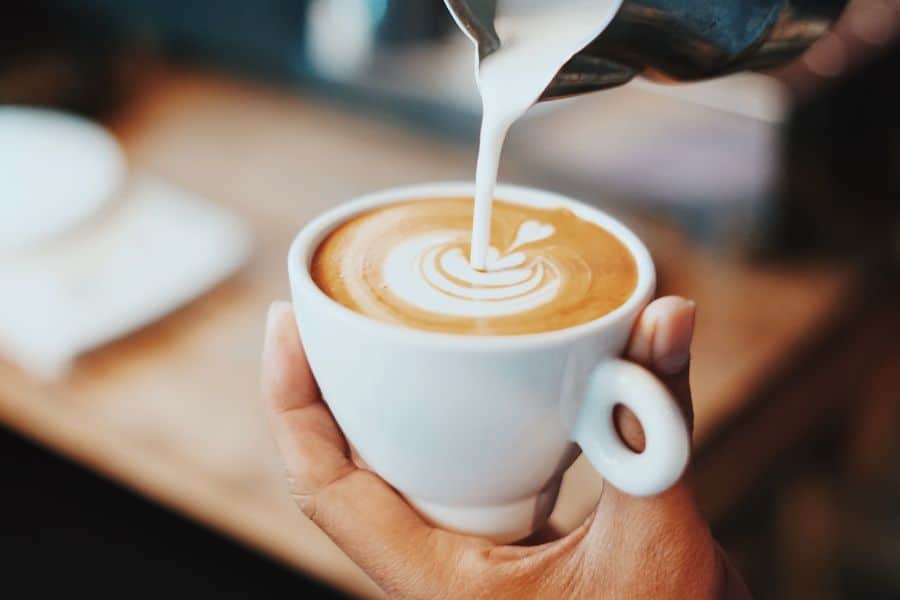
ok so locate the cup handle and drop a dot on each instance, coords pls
(667, 450)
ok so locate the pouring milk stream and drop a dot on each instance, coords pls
(538, 38)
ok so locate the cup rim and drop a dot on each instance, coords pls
(313, 233)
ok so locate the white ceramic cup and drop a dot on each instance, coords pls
(477, 431)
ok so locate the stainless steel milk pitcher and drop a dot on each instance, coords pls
(673, 39)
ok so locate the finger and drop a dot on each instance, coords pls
(661, 341)
(312, 447)
(287, 380)
(359, 511)
(292, 401)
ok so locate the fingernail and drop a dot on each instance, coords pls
(672, 343)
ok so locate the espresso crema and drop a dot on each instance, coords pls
(408, 264)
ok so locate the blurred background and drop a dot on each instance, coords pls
(136, 463)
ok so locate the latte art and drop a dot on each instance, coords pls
(433, 273)
(409, 263)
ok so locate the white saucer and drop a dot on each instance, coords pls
(156, 249)
(56, 171)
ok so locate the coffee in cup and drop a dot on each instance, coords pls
(407, 264)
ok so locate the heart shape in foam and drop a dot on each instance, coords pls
(530, 232)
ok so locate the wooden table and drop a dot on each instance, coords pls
(171, 411)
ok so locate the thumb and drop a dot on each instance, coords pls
(668, 527)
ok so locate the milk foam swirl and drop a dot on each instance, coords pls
(432, 272)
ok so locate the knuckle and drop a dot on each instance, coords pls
(311, 460)
(306, 492)
(306, 503)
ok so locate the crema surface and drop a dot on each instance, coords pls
(408, 264)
